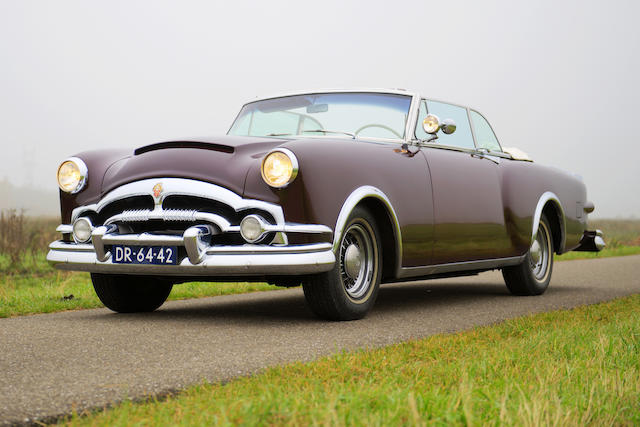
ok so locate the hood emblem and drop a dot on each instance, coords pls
(157, 193)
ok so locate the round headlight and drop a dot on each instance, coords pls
(82, 229)
(72, 175)
(279, 168)
(251, 228)
(431, 124)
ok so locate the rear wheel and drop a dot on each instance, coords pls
(532, 277)
(130, 294)
(349, 290)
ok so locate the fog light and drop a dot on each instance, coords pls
(251, 228)
(82, 229)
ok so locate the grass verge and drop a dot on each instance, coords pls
(576, 367)
(52, 291)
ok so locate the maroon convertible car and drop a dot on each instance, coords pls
(336, 190)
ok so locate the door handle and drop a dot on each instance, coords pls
(484, 154)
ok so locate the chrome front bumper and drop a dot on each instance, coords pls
(245, 260)
(202, 258)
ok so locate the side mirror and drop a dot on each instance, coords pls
(448, 126)
(432, 124)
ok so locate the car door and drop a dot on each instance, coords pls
(468, 210)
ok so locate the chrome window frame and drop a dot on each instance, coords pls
(473, 129)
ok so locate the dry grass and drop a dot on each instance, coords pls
(618, 232)
(23, 238)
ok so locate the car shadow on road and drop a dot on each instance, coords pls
(277, 307)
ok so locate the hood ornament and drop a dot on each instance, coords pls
(157, 193)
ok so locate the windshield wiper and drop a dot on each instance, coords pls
(278, 134)
(330, 131)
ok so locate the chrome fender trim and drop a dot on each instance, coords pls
(352, 201)
(548, 196)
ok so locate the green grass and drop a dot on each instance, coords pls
(576, 367)
(35, 287)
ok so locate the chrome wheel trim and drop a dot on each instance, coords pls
(540, 254)
(357, 261)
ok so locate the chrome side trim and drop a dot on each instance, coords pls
(238, 261)
(185, 187)
(356, 197)
(486, 264)
(546, 197)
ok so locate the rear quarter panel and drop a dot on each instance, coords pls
(523, 184)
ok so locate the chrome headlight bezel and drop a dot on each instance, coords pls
(292, 175)
(83, 173)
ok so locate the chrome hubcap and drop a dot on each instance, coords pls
(352, 261)
(540, 253)
(536, 252)
(357, 261)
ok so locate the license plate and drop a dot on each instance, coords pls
(158, 255)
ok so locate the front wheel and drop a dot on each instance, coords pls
(349, 290)
(532, 277)
(130, 294)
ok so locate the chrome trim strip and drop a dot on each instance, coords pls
(186, 187)
(414, 109)
(546, 197)
(488, 264)
(259, 249)
(64, 228)
(224, 225)
(352, 201)
(59, 245)
(272, 260)
(142, 239)
(143, 215)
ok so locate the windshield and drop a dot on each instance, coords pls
(345, 115)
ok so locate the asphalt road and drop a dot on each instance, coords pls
(51, 363)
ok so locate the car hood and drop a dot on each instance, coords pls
(223, 160)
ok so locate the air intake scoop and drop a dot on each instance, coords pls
(185, 144)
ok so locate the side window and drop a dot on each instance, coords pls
(484, 134)
(462, 137)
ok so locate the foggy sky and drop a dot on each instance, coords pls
(557, 79)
